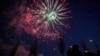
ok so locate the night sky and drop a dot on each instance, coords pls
(84, 25)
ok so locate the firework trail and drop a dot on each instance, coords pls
(42, 18)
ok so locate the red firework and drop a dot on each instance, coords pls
(42, 18)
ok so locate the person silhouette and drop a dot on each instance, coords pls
(98, 53)
(74, 51)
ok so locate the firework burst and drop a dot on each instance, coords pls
(42, 18)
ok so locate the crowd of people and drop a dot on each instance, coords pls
(74, 51)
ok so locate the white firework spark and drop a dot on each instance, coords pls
(42, 18)
(52, 14)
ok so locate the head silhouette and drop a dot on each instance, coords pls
(75, 47)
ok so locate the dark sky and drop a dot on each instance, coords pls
(85, 25)
(85, 22)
